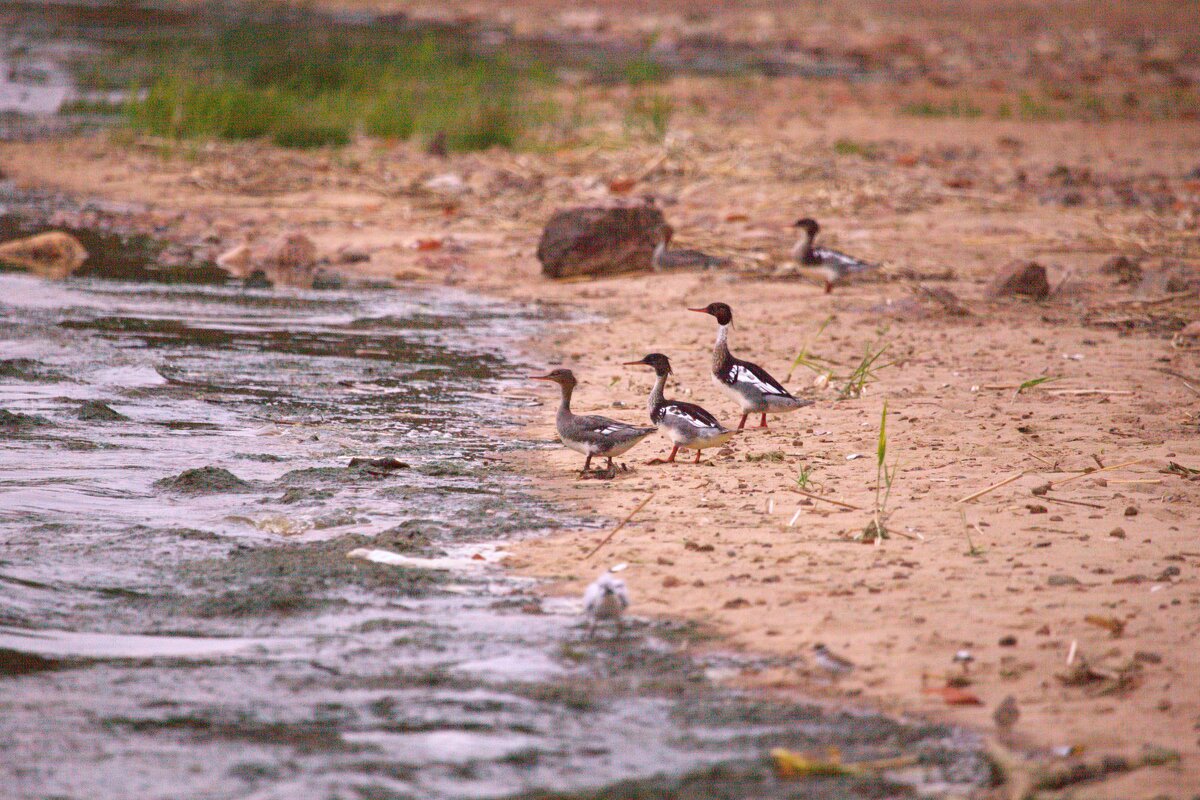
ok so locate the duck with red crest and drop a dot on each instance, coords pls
(687, 425)
(832, 265)
(592, 435)
(751, 386)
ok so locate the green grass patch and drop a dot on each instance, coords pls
(851, 147)
(963, 109)
(303, 83)
(650, 116)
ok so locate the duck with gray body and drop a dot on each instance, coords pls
(833, 265)
(592, 435)
(751, 386)
(687, 425)
(605, 598)
(665, 259)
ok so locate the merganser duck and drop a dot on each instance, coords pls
(835, 266)
(665, 259)
(605, 598)
(749, 384)
(685, 424)
(591, 435)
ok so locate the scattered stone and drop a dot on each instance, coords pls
(1037, 508)
(258, 279)
(1026, 278)
(26, 369)
(1131, 511)
(600, 241)
(238, 260)
(377, 466)
(1062, 580)
(670, 582)
(1125, 269)
(1040, 491)
(205, 480)
(1006, 714)
(352, 255)
(737, 602)
(97, 411)
(293, 252)
(53, 254)
(1147, 657)
(14, 420)
(1117, 533)
(1008, 641)
(16, 662)
(327, 280)
(1167, 574)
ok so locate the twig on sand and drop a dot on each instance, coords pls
(1056, 484)
(992, 488)
(1062, 282)
(1080, 392)
(620, 525)
(826, 500)
(1188, 380)
(1072, 502)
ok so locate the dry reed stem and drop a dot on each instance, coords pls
(827, 500)
(620, 525)
(1056, 484)
(991, 488)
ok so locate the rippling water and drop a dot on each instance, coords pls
(206, 637)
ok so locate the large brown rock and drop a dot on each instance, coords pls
(1025, 278)
(599, 241)
(53, 254)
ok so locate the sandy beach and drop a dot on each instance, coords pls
(1074, 585)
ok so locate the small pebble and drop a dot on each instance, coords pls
(1131, 511)
(1008, 641)
(1117, 533)
(1062, 580)
(1034, 508)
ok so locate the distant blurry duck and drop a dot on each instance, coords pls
(833, 265)
(605, 598)
(665, 259)
(591, 435)
(685, 424)
(749, 384)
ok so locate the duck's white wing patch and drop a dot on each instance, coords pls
(840, 261)
(762, 382)
(676, 414)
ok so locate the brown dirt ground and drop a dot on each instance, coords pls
(743, 160)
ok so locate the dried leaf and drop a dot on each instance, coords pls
(1113, 625)
(621, 185)
(425, 245)
(794, 765)
(953, 696)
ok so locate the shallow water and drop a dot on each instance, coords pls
(206, 636)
